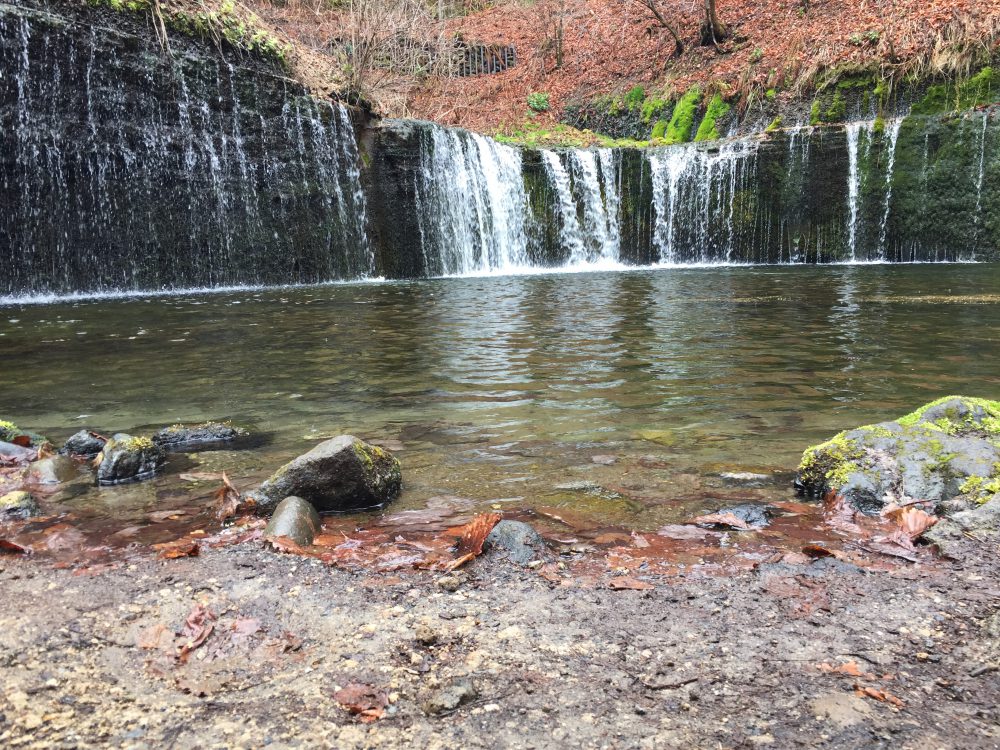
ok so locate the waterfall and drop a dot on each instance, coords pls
(892, 133)
(174, 177)
(853, 130)
(570, 233)
(697, 193)
(473, 207)
(981, 172)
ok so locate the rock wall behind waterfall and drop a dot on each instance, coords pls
(124, 168)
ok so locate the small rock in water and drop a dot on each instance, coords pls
(52, 470)
(604, 460)
(744, 476)
(126, 458)
(15, 452)
(295, 519)
(518, 541)
(754, 515)
(207, 433)
(18, 505)
(343, 473)
(451, 696)
(84, 443)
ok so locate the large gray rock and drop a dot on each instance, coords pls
(343, 473)
(517, 541)
(18, 505)
(948, 448)
(295, 519)
(126, 458)
(198, 435)
(84, 443)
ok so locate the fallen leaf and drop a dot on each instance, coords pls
(631, 584)
(364, 701)
(850, 669)
(229, 502)
(156, 637)
(22, 441)
(475, 533)
(912, 521)
(160, 516)
(197, 628)
(879, 695)
(8, 547)
(177, 549)
(726, 520)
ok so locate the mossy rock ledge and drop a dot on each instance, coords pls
(126, 459)
(947, 449)
(340, 474)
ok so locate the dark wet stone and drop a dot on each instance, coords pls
(52, 470)
(126, 458)
(199, 435)
(296, 519)
(976, 528)
(518, 541)
(450, 697)
(18, 505)
(755, 515)
(340, 474)
(84, 443)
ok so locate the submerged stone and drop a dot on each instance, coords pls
(207, 433)
(753, 515)
(84, 443)
(126, 458)
(518, 541)
(343, 473)
(13, 452)
(945, 449)
(18, 505)
(295, 519)
(52, 470)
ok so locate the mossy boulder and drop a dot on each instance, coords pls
(18, 505)
(343, 473)
(945, 449)
(9, 432)
(206, 434)
(126, 458)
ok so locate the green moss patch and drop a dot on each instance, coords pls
(679, 128)
(709, 130)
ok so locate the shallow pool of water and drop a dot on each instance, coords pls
(614, 399)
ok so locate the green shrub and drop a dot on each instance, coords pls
(538, 101)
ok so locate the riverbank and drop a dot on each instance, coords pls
(813, 655)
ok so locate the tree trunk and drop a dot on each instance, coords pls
(713, 30)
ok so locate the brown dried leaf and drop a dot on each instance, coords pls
(229, 502)
(364, 701)
(475, 533)
(879, 695)
(913, 521)
(8, 547)
(631, 584)
(197, 628)
(177, 549)
(157, 637)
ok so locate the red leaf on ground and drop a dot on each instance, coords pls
(197, 628)
(156, 637)
(912, 521)
(22, 441)
(879, 695)
(364, 701)
(631, 584)
(177, 549)
(475, 533)
(850, 669)
(8, 547)
(727, 520)
(229, 502)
